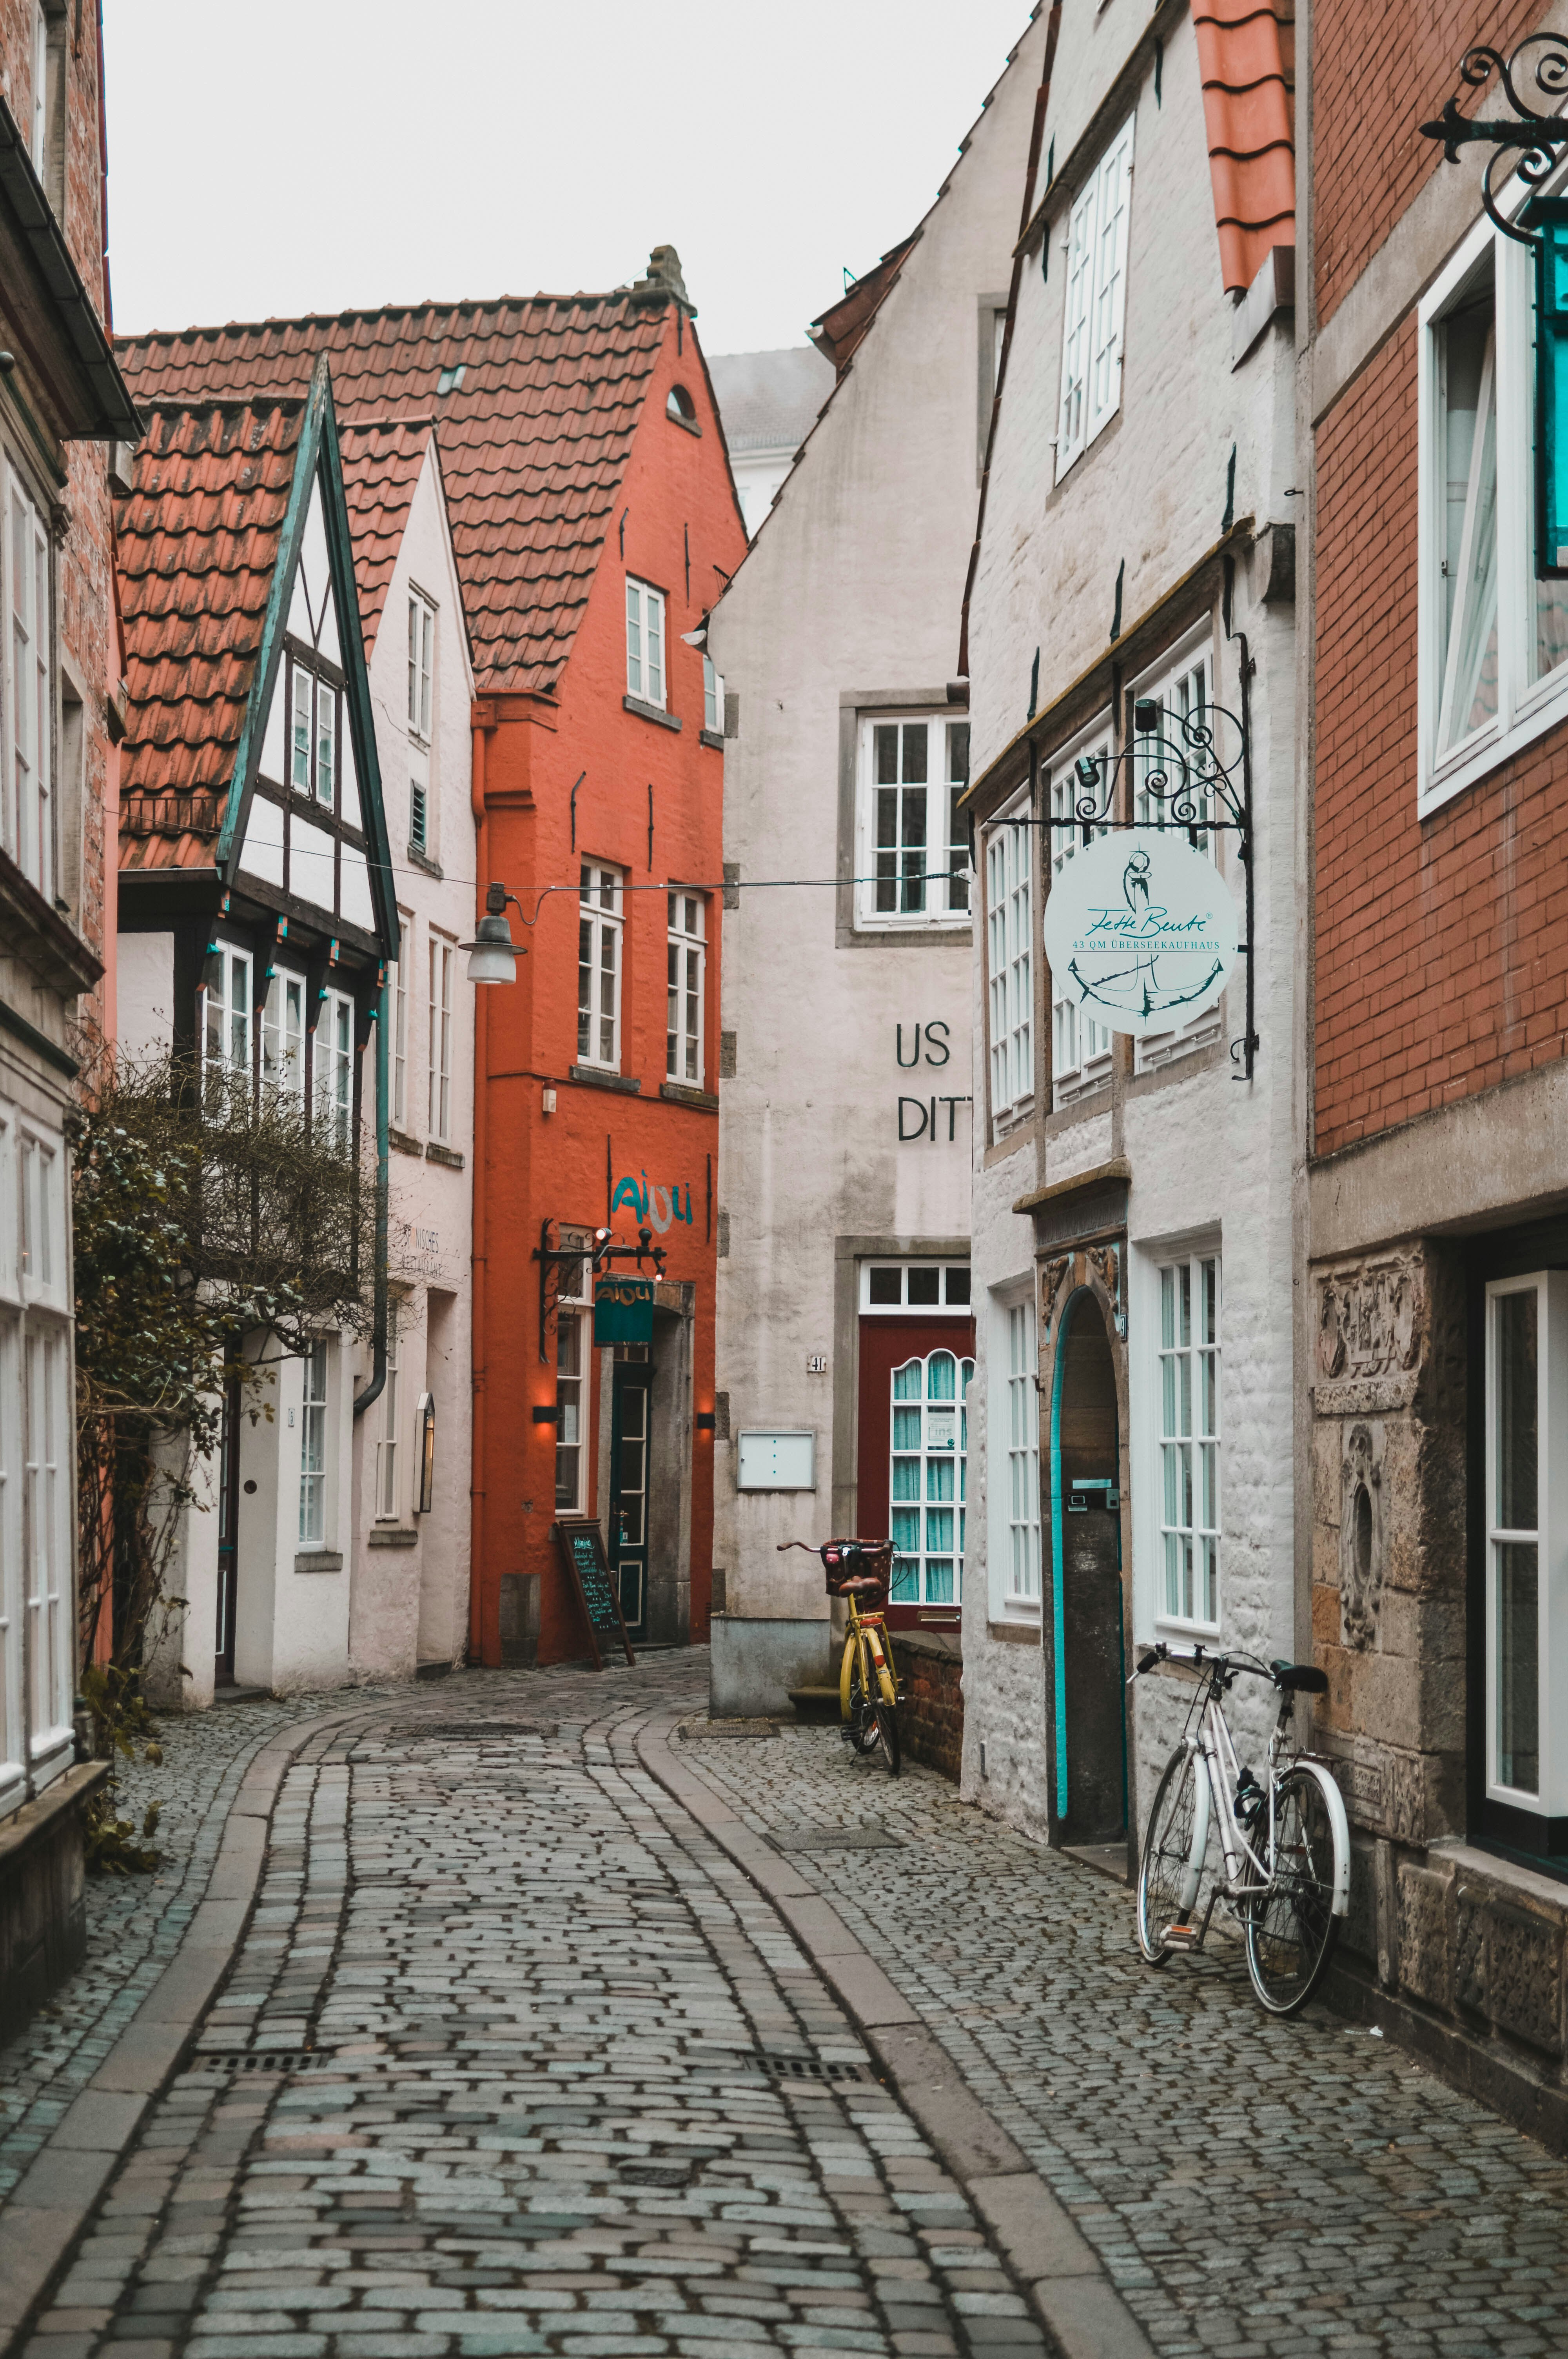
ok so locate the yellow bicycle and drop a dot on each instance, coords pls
(858, 1572)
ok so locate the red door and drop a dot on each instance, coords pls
(913, 1458)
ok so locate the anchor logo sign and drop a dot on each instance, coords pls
(1142, 929)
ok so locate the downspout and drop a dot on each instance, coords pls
(377, 1383)
(477, 1335)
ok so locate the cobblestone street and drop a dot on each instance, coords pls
(516, 2057)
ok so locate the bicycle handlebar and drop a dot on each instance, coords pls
(1202, 1657)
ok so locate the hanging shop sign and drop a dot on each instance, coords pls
(1140, 930)
(623, 1311)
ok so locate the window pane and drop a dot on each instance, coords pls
(885, 1286)
(1519, 1683)
(885, 740)
(1517, 1408)
(916, 739)
(1468, 606)
(924, 1286)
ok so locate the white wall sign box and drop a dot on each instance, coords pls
(777, 1462)
(1140, 930)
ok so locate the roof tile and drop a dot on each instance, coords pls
(1251, 148)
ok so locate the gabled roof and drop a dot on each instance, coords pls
(768, 401)
(197, 546)
(535, 437)
(381, 464)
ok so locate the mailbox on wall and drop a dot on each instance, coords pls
(777, 1462)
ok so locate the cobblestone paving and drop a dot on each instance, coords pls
(538, 2113)
(134, 1922)
(1357, 2204)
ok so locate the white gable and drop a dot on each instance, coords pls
(312, 609)
(261, 855)
(351, 808)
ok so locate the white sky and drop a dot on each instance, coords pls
(314, 155)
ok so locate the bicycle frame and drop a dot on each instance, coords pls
(867, 1629)
(1221, 1775)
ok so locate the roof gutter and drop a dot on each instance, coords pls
(377, 1383)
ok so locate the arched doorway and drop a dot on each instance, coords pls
(1090, 1736)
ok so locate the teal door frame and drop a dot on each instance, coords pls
(1058, 1618)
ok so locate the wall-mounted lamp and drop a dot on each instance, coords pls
(706, 1421)
(493, 953)
(550, 1416)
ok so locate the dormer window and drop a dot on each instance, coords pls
(421, 662)
(682, 408)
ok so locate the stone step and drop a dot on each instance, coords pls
(815, 1703)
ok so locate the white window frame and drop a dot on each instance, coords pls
(313, 705)
(29, 687)
(1080, 1043)
(1550, 1536)
(332, 1059)
(1197, 1528)
(1015, 1544)
(943, 875)
(574, 1339)
(1009, 966)
(1095, 306)
(47, 1430)
(400, 1020)
(283, 1035)
(647, 670)
(388, 1496)
(421, 664)
(954, 1286)
(712, 697)
(13, 1588)
(231, 1000)
(42, 1233)
(600, 927)
(1525, 708)
(686, 988)
(930, 1459)
(443, 954)
(315, 1397)
(1181, 684)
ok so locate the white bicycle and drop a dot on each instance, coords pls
(1285, 1845)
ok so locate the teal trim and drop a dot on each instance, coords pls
(1058, 1618)
(1548, 217)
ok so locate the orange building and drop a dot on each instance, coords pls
(594, 520)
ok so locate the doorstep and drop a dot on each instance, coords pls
(1108, 1859)
(434, 1667)
(815, 1703)
(240, 1695)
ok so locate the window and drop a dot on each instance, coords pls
(915, 1285)
(644, 643)
(1493, 638)
(599, 968)
(12, 1768)
(42, 1217)
(313, 734)
(927, 1490)
(227, 1021)
(439, 1114)
(29, 817)
(421, 662)
(712, 698)
(45, 1480)
(1189, 1441)
(683, 1039)
(1096, 303)
(313, 1449)
(1080, 1045)
(283, 1036)
(300, 731)
(400, 1021)
(417, 815)
(573, 1361)
(1184, 694)
(335, 1067)
(1018, 1474)
(386, 1439)
(1010, 970)
(1527, 1680)
(681, 404)
(913, 858)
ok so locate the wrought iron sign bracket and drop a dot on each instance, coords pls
(1177, 762)
(1532, 143)
(603, 1251)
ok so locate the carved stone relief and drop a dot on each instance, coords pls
(1053, 1278)
(1106, 1263)
(1371, 1327)
(1361, 1535)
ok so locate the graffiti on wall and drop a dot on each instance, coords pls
(655, 1208)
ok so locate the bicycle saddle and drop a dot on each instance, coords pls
(1301, 1679)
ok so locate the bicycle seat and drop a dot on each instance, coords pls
(1300, 1679)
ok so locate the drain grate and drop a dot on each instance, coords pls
(464, 1732)
(260, 2059)
(822, 2070)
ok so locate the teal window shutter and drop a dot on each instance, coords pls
(1549, 218)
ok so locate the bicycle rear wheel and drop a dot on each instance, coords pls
(1167, 1872)
(893, 1752)
(1292, 1928)
(863, 1729)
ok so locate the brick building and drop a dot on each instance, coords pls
(593, 522)
(1433, 1023)
(63, 410)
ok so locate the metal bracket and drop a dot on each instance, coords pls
(1531, 145)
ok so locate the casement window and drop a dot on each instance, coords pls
(712, 698)
(1183, 692)
(313, 1449)
(573, 1362)
(917, 1288)
(599, 968)
(1080, 1045)
(41, 1203)
(682, 1034)
(283, 1035)
(37, 1653)
(400, 1020)
(334, 1062)
(314, 732)
(1493, 637)
(926, 1485)
(644, 643)
(1187, 1546)
(227, 1016)
(418, 816)
(1015, 1456)
(387, 1491)
(421, 662)
(1010, 970)
(1096, 301)
(1526, 1625)
(29, 812)
(443, 958)
(912, 859)
(46, 1495)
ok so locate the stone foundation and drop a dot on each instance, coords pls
(43, 1908)
(931, 1722)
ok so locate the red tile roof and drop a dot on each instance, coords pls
(533, 442)
(382, 460)
(1252, 150)
(197, 542)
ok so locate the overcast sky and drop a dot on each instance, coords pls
(313, 155)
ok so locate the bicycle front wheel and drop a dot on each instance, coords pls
(863, 1729)
(1292, 1928)
(1173, 1846)
(893, 1752)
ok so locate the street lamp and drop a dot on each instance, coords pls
(493, 953)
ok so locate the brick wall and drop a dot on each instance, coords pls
(1377, 75)
(931, 1722)
(1442, 946)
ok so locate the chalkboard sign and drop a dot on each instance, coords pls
(582, 1553)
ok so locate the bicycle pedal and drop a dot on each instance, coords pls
(1180, 1936)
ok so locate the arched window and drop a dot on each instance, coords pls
(681, 404)
(927, 1486)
